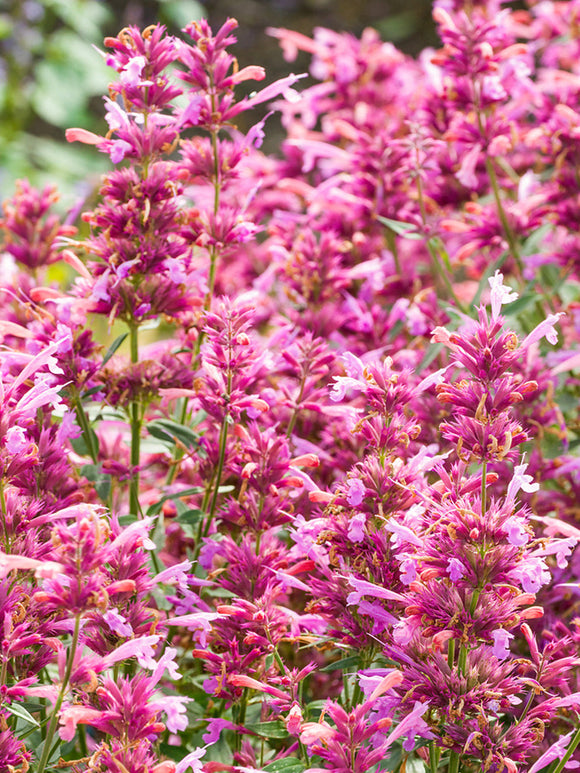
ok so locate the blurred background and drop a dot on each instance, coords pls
(52, 77)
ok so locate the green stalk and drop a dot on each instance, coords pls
(434, 755)
(502, 215)
(569, 752)
(4, 511)
(135, 429)
(54, 718)
(484, 489)
(218, 477)
(437, 267)
(451, 653)
(85, 426)
(454, 760)
(213, 254)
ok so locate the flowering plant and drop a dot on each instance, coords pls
(324, 517)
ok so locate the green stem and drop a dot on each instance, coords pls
(135, 430)
(85, 426)
(569, 752)
(484, 489)
(54, 718)
(218, 477)
(454, 760)
(434, 755)
(178, 452)
(3, 510)
(442, 274)
(213, 253)
(509, 235)
(451, 653)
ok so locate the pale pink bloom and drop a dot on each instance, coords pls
(316, 731)
(76, 715)
(42, 569)
(293, 721)
(555, 752)
(142, 648)
(193, 761)
(500, 294)
(520, 481)
(545, 329)
(466, 173)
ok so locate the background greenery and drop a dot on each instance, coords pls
(53, 77)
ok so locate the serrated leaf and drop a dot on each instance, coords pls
(113, 348)
(19, 711)
(285, 765)
(273, 729)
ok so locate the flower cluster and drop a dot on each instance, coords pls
(288, 472)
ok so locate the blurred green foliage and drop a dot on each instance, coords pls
(52, 74)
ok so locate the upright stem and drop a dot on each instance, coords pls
(484, 489)
(218, 477)
(502, 215)
(437, 267)
(54, 718)
(434, 755)
(213, 253)
(569, 752)
(85, 426)
(3, 511)
(135, 429)
(454, 760)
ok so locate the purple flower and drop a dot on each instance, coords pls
(455, 569)
(355, 491)
(356, 528)
(516, 531)
(501, 640)
(192, 761)
(556, 751)
(214, 729)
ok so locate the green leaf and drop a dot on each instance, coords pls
(190, 516)
(80, 445)
(405, 230)
(285, 765)
(186, 492)
(431, 353)
(19, 711)
(101, 480)
(273, 729)
(513, 308)
(351, 660)
(113, 348)
(170, 432)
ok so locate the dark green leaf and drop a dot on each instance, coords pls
(19, 711)
(273, 729)
(190, 516)
(352, 660)
(113, 348)
(186, 492)
(285, 765)
(513, 308)
(170, 432)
